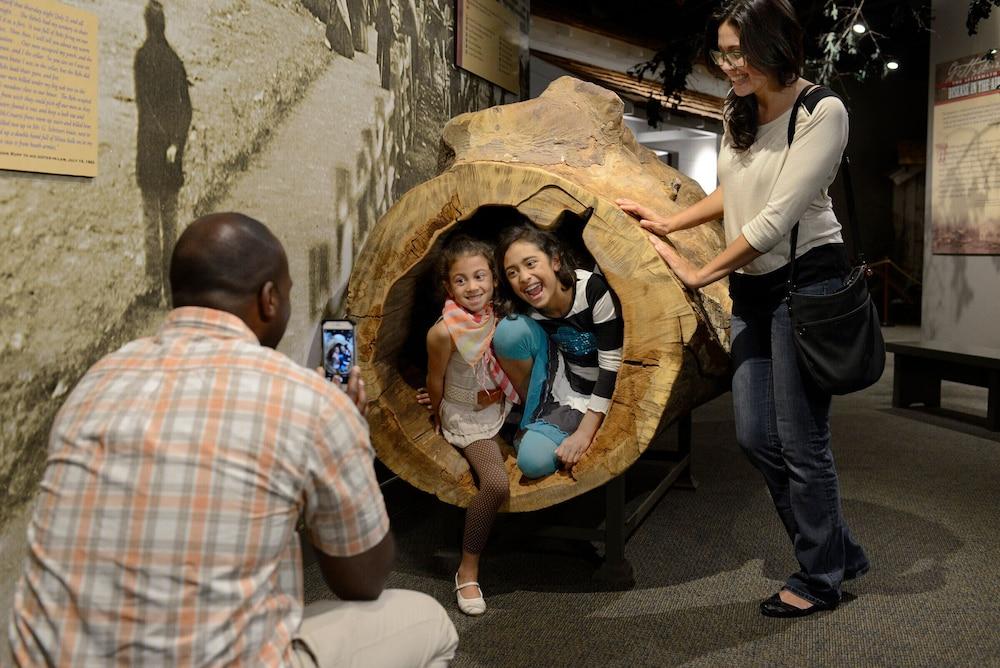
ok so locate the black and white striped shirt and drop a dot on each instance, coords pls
(590, 339)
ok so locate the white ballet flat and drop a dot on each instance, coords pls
(470, 606)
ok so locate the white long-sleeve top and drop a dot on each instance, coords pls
(771, 186)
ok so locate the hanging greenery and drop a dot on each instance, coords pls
(979, 10)
(845, 50)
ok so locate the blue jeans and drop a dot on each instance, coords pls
(521, 338)
(783, 425)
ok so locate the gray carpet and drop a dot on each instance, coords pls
(920, 492)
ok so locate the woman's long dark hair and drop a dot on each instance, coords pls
(771, 40)
(548, 243)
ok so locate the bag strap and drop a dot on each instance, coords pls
(845, 164)
(852, 218)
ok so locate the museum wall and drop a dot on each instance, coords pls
(313, 121)
(961, 295)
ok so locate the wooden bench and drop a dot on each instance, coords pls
(920, 366)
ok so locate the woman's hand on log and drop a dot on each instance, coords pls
(649, 220)
(686, 272)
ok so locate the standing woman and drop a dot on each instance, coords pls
(766, 186)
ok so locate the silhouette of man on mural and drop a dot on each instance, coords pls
(164, 106)
(386, 34)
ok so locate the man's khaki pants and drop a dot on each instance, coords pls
(402, 628)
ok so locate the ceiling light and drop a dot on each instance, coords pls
(860, 28)
(892, 65)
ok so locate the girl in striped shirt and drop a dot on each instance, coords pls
(562, 351)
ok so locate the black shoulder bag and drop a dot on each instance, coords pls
(837, 336)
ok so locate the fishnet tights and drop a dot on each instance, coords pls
(487, 462)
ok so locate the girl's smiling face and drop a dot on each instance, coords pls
(745, 78)
(470, 282)
(532, 274)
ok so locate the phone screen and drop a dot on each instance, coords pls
(338, 349)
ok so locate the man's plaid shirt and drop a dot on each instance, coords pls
(164, 531)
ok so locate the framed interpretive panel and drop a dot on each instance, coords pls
(491, 40)
(48, 88)
(965, 183)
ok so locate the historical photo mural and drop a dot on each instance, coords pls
(313, 116)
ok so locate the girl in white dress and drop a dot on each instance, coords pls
(470, 395)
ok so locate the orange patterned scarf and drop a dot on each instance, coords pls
(473, 335)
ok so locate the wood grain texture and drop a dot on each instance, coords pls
(566, 150)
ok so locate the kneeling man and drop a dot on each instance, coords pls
(164, 532)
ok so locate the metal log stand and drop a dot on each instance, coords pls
(616, 572)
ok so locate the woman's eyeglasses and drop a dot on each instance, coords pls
(735, 58)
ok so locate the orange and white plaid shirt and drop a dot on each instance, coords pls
(164, 532)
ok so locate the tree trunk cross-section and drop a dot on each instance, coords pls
(567, 150)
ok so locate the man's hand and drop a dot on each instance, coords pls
(686, 272)
(649, 220)
(356, 390)
(171, 153)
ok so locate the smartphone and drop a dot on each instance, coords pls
(338, 349)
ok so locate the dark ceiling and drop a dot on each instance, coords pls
(637, 21)
(657, 23)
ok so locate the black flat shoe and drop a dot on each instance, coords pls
(775, 607)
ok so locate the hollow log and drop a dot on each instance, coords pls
(565, 152)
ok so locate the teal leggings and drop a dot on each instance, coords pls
(536, 455)
(522, 338)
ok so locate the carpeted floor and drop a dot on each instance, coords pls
(920, 492)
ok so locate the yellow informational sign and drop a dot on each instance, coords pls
(491, 41)
(965, 187)
(48, 88)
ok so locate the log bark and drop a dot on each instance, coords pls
(567, 150)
